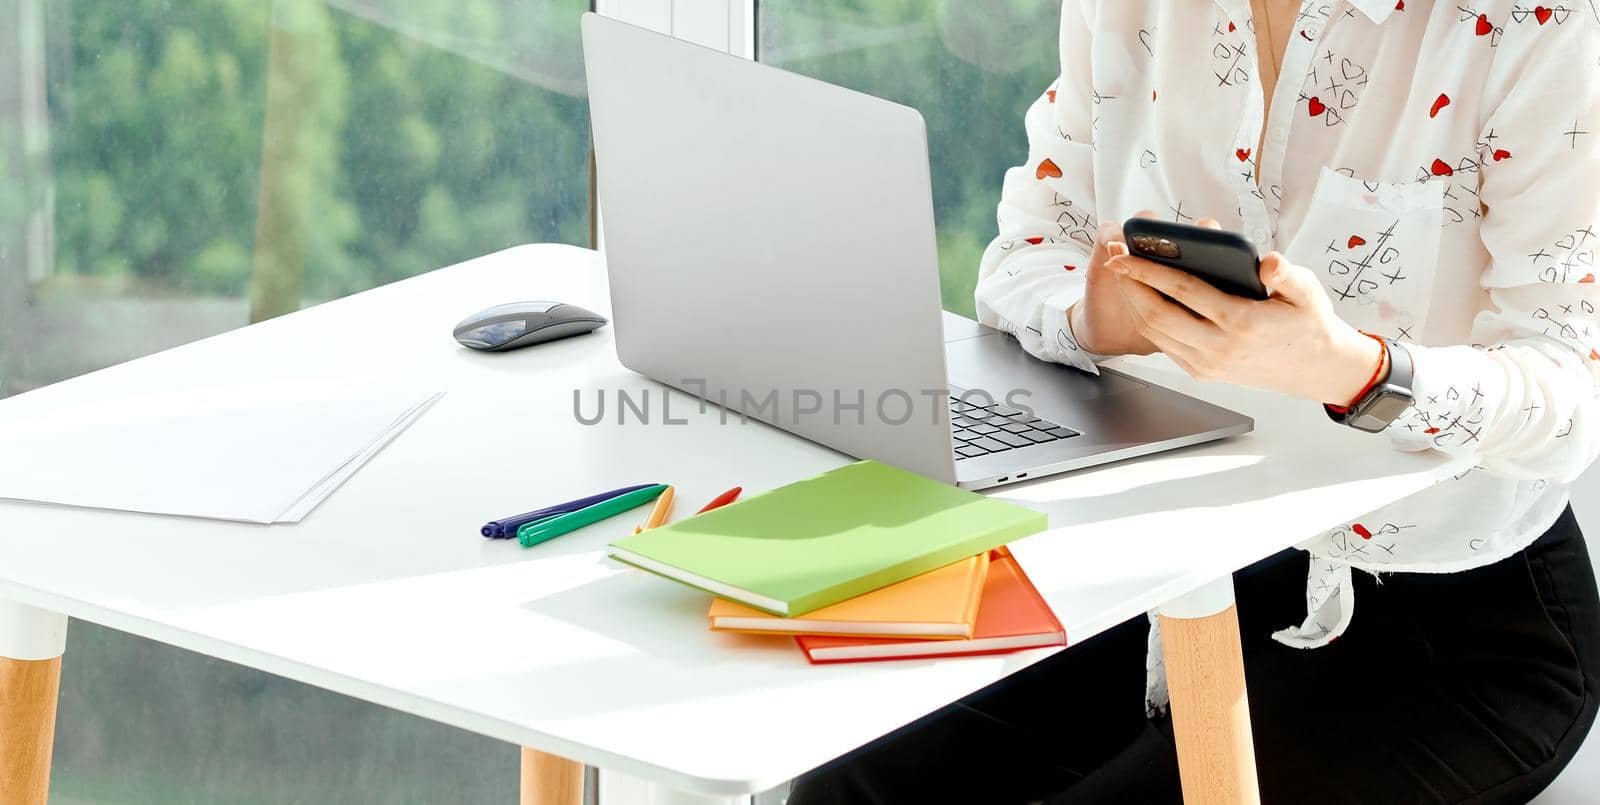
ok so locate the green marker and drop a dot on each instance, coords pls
(545, 530)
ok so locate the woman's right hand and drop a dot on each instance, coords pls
(1102, 322)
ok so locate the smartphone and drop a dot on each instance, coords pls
(1224, 259)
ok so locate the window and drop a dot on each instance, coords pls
(170, 170)
(179, 169)
(971, 68)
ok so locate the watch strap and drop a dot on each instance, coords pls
(1402, 371)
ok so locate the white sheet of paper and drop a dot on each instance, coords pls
(320, 492)
(246, 453)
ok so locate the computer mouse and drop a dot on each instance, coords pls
(523, 324)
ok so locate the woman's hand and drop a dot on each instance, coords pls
(1102, 322)
(1292, 342)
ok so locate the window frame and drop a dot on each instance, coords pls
(725, 25)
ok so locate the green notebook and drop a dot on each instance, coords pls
(827, 539)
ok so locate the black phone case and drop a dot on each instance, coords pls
(1224, 259)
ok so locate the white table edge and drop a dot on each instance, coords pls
(346, 685)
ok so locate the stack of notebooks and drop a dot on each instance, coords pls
(866, 562)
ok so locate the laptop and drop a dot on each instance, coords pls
(770, 248)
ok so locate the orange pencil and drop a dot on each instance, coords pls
(658, 514)
(722, 500)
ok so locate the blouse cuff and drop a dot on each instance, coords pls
(1059, 338)
(1451, 387)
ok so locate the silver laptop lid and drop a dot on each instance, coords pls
(770, 244)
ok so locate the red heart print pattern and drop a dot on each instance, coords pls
(1051, 94)
(1501, 153)
(1542, 14)
(1594, 356)
(1442, 168)
(1243, 154)
(1034, 240)
(1232, 28)
(1357, 240)
(1588, 279)
(1431, 431)
(1361, 530)
(1400, 6)
(1047, 168)
(1070, 268)
(1315, 106)
(1485, 27)
(1439, 103)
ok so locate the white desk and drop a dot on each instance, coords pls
(387, 593)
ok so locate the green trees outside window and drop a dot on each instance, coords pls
(971, 68)
(190, 167)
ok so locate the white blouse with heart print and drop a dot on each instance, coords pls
(1437, 164)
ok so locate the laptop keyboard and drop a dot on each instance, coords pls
(995, 428)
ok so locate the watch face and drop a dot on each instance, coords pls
(1382, 408)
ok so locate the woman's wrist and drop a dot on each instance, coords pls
(1080, 329)
(1359, 362)
(1090, 341)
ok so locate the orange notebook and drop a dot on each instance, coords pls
(1013, 616)
(939, 604)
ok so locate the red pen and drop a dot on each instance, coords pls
(722, 500)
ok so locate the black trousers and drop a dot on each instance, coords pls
(1471, 687)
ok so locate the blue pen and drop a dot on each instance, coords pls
(506, 528)
(544, 530)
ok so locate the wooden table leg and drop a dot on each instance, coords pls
(1210, 708)
(550, 780)
(31, 643)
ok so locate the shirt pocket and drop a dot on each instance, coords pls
(1375, 246)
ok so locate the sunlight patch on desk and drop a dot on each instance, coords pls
(1070, 563)
(480, 614)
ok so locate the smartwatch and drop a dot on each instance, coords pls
(1382, 404)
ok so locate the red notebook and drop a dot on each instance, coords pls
(1012, 616)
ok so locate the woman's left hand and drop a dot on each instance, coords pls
(1293, 342)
